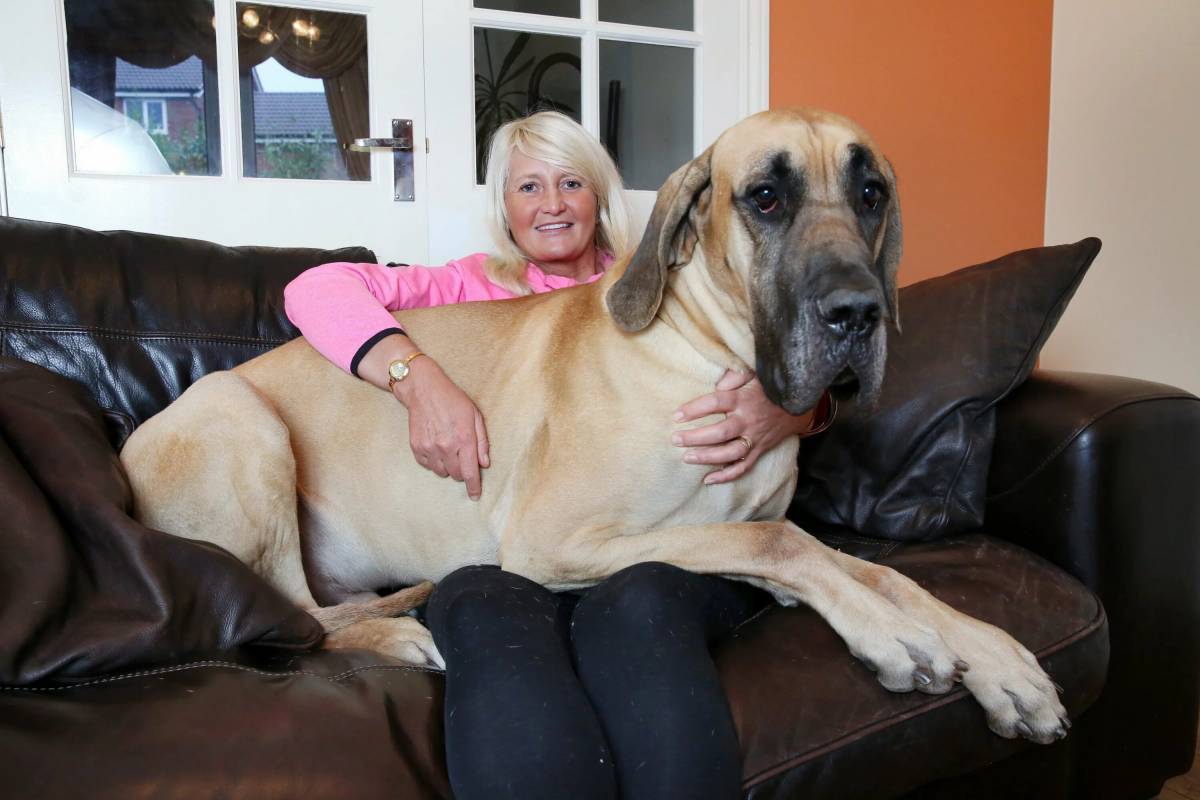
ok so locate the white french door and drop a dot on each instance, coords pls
(236, 133)
(75, 159)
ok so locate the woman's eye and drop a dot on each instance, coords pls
(871, 196)
(765, 199)
(527, 187)
(572, 184)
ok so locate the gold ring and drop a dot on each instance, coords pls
(749, 446)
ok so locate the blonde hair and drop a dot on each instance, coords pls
(562, 142)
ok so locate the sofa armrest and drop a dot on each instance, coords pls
(1098, 474)
(1101, 475)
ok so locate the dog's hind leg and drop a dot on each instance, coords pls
(217, 465)
(402, 638)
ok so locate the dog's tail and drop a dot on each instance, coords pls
(334, 618)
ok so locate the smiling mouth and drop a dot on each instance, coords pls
(553, 226)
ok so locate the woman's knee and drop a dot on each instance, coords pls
(639, 596)
(478, 594)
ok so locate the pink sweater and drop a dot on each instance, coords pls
(342, 308)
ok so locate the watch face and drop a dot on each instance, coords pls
(397, 370)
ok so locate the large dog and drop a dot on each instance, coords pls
(776, 248)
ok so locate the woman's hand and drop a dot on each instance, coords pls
(752, 426)
(445, 429)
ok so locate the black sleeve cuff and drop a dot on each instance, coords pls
(367, 345)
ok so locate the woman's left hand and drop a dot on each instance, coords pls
(752, 426)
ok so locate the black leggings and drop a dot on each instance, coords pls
(612, 693)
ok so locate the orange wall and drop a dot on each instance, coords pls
(956, 93)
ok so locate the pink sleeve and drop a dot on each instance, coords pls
(341, 307)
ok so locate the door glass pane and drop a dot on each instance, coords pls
(646, 109)
(557, 8)
(678, 14)
(143, 87)
(304, 93)
(517, 74)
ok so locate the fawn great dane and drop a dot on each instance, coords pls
(776, 249)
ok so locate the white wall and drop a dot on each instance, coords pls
(1124, 165)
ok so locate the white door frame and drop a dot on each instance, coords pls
(3, 178)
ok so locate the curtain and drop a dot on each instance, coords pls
(148, 34)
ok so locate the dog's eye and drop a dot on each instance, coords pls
(765, 199)
(872, 194)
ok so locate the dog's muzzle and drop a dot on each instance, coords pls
(830, 338)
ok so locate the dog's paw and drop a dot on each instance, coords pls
(906, 655)
(1018, 696)
(402, 638)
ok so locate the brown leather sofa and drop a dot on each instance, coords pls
(134, 664)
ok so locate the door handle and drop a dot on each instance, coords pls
(404, 145)
(401, 145)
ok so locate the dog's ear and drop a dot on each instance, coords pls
(668, 242)
(887, 261)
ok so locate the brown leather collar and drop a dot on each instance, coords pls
(824, 413)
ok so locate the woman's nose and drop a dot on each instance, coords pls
(552, 201)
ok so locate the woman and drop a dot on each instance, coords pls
(554, 695)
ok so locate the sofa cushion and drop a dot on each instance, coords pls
(332, 724)
(84, 589)
(138, 317)
(812, 721)
(915, 467)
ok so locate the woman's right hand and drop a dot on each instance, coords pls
(445, 429)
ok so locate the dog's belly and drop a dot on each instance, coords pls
(353, 552)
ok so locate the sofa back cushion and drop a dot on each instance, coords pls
(915, 466)
(138, 317)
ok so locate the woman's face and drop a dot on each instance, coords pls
(551, 213)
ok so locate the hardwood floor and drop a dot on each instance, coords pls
(1185, 787)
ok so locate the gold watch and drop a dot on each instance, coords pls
(399, 368)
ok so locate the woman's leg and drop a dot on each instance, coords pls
(641, 641)
(518, 723)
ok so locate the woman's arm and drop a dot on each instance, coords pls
(343, 311)
(445, 429)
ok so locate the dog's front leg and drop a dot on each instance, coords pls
(776, 556)
(1019, 697)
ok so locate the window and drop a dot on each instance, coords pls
(152, 64)
(156, 116)
(518, 73)
(304, 92)
(642, 56)
(150, 114)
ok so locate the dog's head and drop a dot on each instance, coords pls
(799, 221)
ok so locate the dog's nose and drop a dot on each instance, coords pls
(850, 313)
